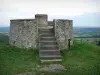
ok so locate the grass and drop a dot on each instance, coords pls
(15, 60)
(81, 59)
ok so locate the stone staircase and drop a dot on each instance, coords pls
(48, 48)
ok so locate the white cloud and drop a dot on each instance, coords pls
(10, 9)
(46, 5)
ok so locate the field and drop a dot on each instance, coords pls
(81, 59)
(86, 32)
(15, 60)
(90, 35)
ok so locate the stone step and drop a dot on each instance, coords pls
(40, 32)
(47, 39)
(48, 48)
(51, 37)
(50, 53)
(50, 24)
(45, 29)
(48, 43)
(46, 35)
(52, 60)
(41, 45)
(50, 56)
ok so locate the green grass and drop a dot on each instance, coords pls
(81, 59)
(15, 60)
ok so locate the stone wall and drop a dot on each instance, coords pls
(63, 32)
(23, 33)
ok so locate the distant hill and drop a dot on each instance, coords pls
(75, 29)
(86, 29)
(4, 29)
(85, 32)
(4, 38)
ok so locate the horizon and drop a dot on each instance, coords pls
(73, 27)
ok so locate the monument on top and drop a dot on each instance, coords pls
(24, 32)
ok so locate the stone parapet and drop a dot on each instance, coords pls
(23, 33)
(63, 33)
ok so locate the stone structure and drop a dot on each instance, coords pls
(24, 32)
(63, 33)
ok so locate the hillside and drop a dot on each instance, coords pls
(4, 29)
(81, 59)
(4, 37)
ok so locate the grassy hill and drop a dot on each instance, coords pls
(81, 59)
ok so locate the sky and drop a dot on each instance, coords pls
(82, 12)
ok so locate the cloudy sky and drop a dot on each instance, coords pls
(83, 12)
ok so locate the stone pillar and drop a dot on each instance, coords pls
(63, 33)
(41, 20)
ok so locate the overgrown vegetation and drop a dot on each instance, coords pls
(81, 59)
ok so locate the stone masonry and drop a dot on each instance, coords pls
(63, 33)
(24, 32)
